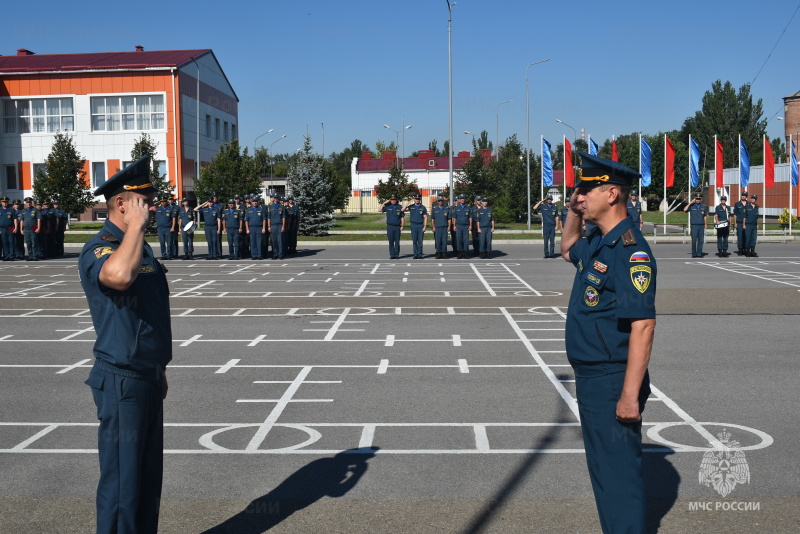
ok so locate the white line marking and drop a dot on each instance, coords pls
(483, 280)
(712, 440)
(191, 340)
(240, 270)
(367, 437)
(463, 366)
(383, 367)
(481, 439)
(76, 333)
(337, 324)
(521, 281)
(276, 412)
(257, 340)
(456, 340)
(8, 336)
(187, 312)
(389, 340)
(35, 437)
(74, 366)
(281, 400)
(238, 312)
(193, 288)
(291, 381)
(375, 269)
(451, 310)
(361, 288)
(227, 367)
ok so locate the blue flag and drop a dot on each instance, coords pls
(794, 166)
(547, 164)
(694, 163)
(647, 157)
(593, 148)
(744, 164)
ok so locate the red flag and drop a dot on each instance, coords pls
(569, 170)
(614, 153)
(769, 165)
(719, 164)
(669, 167)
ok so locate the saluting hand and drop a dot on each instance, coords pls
(137, 213)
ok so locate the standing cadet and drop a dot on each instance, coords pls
(185, 216)
(484, 219)
(255, 224)
(562, 215)
(440, 223)
(243, 204)
(751, 227)
(292, 225)
(394, 225)
(722, 224)
(738, 222)
(19, 239)
(697, 223)
(461, 217)
(212, 223)
(173, 203)
(418, 217)
(549, 212)
(8, 223)
(609, 337)
(635, 210)
(61, 221)
(48, 235)
(31, 226)
(476, 205)
(165, 221)
(233, 227)
(276, 226)
(128, 296)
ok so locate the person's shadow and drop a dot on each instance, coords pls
(326, 477)
(662, 481)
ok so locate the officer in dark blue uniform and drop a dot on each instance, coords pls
(276, 226)
(635, 210)
(19, 239)
(697, 224)
(484, 219)
(549, 212)
(418, 217)
(722, 223)
(440, 223)
(562, 215)
(61, 221)
(292, 225)
(185, 216)
(8, 223)
(609, 336)
(233, 228)
(164, 222)
(461, 217)
(255, 225)
(738, 222)
(176, 229)
(212, 223)
(394, 225)
(31, 227)
(751, 227)
(476, 238)
(128, 296)
(48, 235)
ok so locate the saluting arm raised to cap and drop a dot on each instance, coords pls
(571, 230)
(122, 267)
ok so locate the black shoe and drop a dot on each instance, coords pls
(753, 253)
(281, 257)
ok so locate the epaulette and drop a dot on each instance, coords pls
(110, 238)
(628, 239)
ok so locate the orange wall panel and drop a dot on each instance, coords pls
(25, 174)
(111, 167)
(87, 165)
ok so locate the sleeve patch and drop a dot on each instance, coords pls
(641, 276)
(99, 252)
(640, 257)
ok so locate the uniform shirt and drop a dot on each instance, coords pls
(133, 326)
(49, 217)
(255, 216)
(473, 213)
(210, 216)
(394, 214)
(30, 218)
(751, 213)
(462, 214)
(164, 216)
(276, 213)
(232, 218)
(635, 211)
(417, 213)
(292, 216)
(738, 210)
(548, 212)
(185, 215)
(175, 211)
(722, 212)
(7, 217)
(615, 282)
(484, 217)
(61, 220)
(440, 216)
(562, 215)
(697, 213)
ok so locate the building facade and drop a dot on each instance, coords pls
(106, 101)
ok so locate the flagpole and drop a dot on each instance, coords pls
(666, 203)
(715, 172)
(791, 146)
(541, 170)
(640, 167)
(764, 188)
(689, 217)
(565, 165)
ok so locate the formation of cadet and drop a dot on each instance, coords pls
(39, 227)
(549, 213)
(722, 215)
(697, 223)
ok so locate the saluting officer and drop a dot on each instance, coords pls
(255, 225)
(722, 224)
(395, 220)
(61, 222)
(212, 223)
(8, 223)
(549, 212)
(276, 226)
(292, 225)
(751, 227)
(440, 223)
(738, 222)
(31, 226)
(609, 336)
(128, 296)
(461, 217)
(164, 222)
(484, 218)
(185, 216)
(635, 210)
(697, 222)
(418, 215)
(477, 204)
(233, 227)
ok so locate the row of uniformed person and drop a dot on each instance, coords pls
(39, 226)
(745, 220)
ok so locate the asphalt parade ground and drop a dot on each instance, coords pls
(340, 391)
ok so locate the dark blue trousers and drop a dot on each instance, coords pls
(393, 234)
(485, 238)
(722, 237)
(188, 242)
(276, 240)
(613, 453)
(462, 237)
(740, 239)
(130, 442)
(175, 243)
(417, 235)
(255, 243)
(549, 233)
(8, 242)
(698, 236)
(211, 239)
(751, 235)
(165, 240)
(233, 243)
(33, 243)
(440, 238)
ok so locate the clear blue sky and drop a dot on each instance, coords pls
(615, 67)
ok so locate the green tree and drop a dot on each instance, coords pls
(340, 185)
(396, 184)
(312, 192)
(231, 172)
(147, 146)
(482, 141)
(65, 178)
(381, 147)
(508, 176)
(473, 177)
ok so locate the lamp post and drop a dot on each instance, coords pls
(450, 88)
(528, 128)
(270, 150)
(397, 135)
(259, 137)
(497, 126)
(323, 140)
(467, 132)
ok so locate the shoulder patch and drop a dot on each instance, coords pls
(110, 238)
(99, 252)
(640, 257)
(628, 239)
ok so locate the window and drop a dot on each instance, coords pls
(11, 176)
(233, 132)
(39, 168)
(225, 131)
(216, 128)
(38, 115)
(125, 113)
(98, 174)
(208, 125)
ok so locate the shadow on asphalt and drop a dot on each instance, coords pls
(326, 477)
(661, 485)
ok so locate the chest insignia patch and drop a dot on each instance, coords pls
(580, 266)
(99, 252)
(591, 297)
(641, 276)
(596, 280)
(600, 267)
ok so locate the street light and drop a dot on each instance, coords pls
(260, 136)
(467, 132)
(497, 126)
(270, 150)
(450, 88)
(397, 134)
(528, 127)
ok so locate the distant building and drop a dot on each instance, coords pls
(106, 101)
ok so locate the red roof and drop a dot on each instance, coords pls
(411, 164)
(98, 61)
